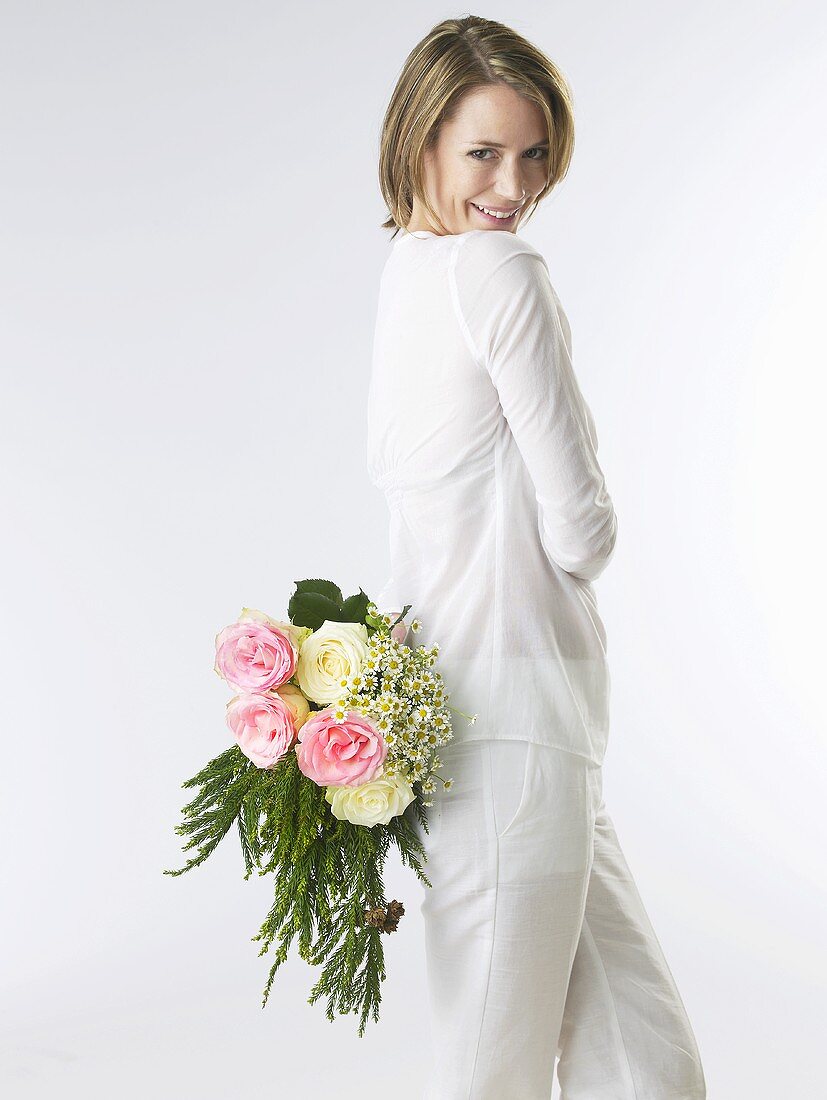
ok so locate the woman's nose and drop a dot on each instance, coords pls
(511, 186)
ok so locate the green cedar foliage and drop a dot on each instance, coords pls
(326, 872)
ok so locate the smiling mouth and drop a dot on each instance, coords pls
(498, 216)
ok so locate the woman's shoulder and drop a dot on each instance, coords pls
(483, 250)
(506, 258)
(495, 243)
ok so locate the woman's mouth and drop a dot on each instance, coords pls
(498, 218)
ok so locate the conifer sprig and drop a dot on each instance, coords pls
(226, 781)
(326, 872)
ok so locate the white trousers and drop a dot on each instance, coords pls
(537, 943)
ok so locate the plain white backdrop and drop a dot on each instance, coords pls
(189, 268)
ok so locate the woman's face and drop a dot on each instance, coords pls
(493, 153)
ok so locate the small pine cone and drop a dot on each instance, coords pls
(385, 919)
(375, 917)
(395, 912)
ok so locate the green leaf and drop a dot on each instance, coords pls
(355, 608)
(323, 587)
(312, 608)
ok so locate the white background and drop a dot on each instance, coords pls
(189, 268)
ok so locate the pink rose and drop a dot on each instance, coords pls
(262, 724)
(340, 754)
(400, 632)
(254, 656)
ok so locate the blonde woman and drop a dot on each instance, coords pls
(537, 942)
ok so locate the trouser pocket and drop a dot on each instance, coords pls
(509, 772)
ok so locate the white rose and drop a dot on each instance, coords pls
(329, 655)
(295, 700)
(373, 803)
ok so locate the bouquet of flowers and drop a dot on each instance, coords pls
(336, 723)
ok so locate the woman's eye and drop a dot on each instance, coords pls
(538, 149)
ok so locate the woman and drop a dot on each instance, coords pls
(536, 938)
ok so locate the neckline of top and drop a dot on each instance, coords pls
(420, 233)
(426, 234)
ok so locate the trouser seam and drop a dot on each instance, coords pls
(493, 939)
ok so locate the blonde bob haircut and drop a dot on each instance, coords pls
(456, 56)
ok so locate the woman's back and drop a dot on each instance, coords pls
(499, 515)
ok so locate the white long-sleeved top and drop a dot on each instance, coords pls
(480, 438)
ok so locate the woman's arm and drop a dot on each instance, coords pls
(516, 329)
(387, 597)
(389, 603)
